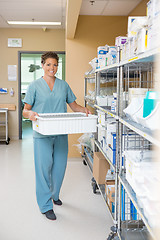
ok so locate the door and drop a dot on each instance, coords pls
(29, 65)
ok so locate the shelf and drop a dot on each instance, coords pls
(100, 148)
(147, 56)
(3, 124)
(107, 110)
(133, 198)
(133, 234)
(107, 68)
(144, 132)
(102, 191)
(101, 187)
(89, 159)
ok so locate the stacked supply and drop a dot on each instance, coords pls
(153, 14)
(137, 37)
(142, 174)
(143, 32)
(107, 55)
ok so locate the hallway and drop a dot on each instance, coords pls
(83, 215)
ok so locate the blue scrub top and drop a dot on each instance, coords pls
(43, 100)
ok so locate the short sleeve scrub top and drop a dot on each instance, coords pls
(43, 100)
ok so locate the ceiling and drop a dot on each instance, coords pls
(26, 10)
(55, 10)
(108, 7)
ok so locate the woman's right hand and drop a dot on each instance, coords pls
(28, 113)
(32, 116)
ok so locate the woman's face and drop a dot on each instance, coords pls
(50, 67)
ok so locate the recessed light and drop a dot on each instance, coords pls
(33, 23)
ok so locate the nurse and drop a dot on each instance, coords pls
(49, 94)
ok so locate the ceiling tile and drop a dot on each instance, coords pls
(120, 7)
(108, 7)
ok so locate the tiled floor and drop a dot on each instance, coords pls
(83, 215)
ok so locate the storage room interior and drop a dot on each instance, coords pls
(94, 208)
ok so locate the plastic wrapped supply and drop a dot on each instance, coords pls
(134, 109)
(94, 63)
(102, 100)
(102, 56)
(112, 55)
(86, 140)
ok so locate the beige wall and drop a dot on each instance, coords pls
(141, 9)
(92, 31)
(33, 40)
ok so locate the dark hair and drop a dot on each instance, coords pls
(49, 55)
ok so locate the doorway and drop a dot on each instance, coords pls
(29, 65)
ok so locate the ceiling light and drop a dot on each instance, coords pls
(34, 23)
(92, 2)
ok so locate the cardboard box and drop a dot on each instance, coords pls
(100, 167)
(111, 205)
(109, 184)
(110, 194)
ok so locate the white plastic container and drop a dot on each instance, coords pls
(65, 123)
(135, 162)
(134, 109)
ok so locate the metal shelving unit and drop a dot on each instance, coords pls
(4, 124)
(88, 158)
(144, 132)
(107, 110)
(101, 187)
(140, 63)
(133, 68)
(89, 102)
(134, 199)
(101, 150)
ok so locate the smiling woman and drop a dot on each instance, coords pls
(49, 94)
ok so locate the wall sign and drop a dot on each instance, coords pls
(14, 42)
(12, 72)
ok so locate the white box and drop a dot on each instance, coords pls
(136, 23)
(65, 123)
(120, 40)
(110, 127)
(142, 36)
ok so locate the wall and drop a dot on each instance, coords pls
(140, 10)
(92, 31)
(33, 40)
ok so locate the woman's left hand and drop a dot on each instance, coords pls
(86, 110)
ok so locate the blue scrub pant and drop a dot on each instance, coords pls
(50, 155)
